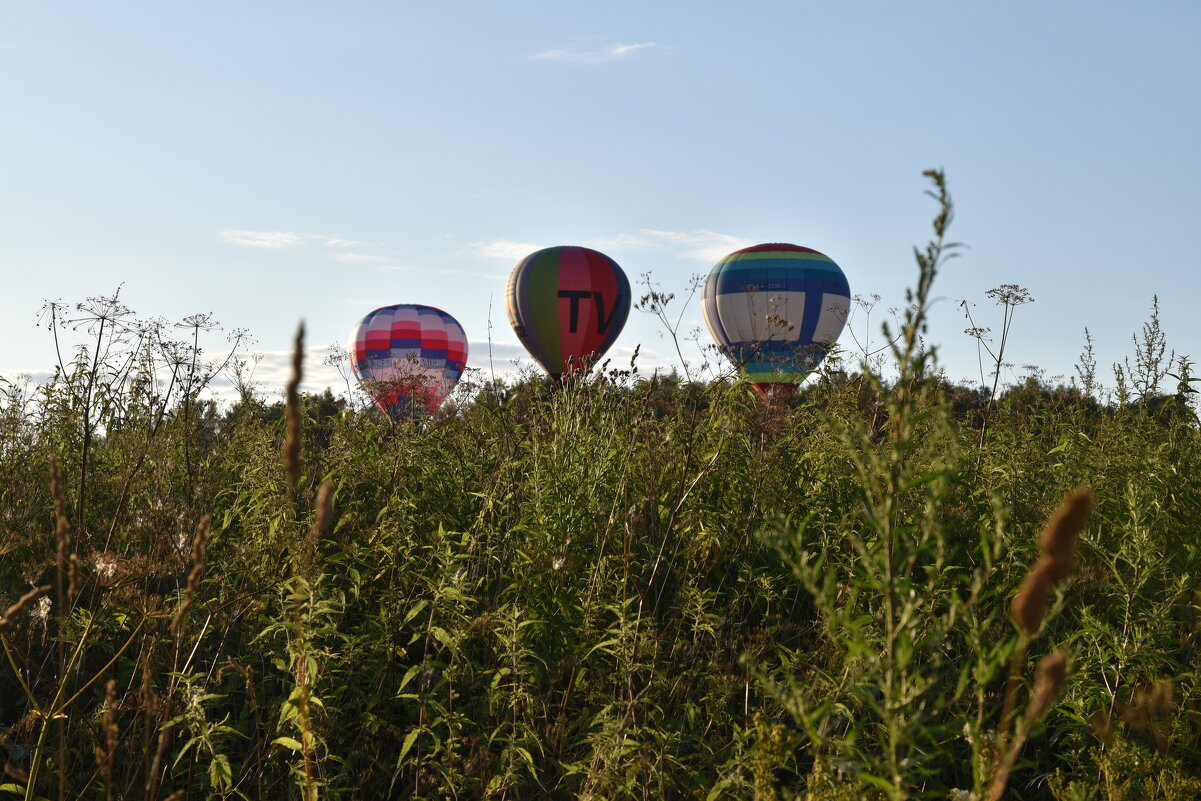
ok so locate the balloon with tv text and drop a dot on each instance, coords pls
(408, 357)
(567, 305)
(776, 310)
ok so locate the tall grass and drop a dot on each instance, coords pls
(625, 588)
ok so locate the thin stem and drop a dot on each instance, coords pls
(52, 713)
(33, 704)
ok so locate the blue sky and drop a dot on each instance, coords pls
(269, 162)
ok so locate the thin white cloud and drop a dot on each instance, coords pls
(284, 239)
(31, 378)
(360, 257)
(707, 246)
(701, 245)
(603, 55)
(404, 268)
(622, 242)
(500, 249)
(264, 239)
(337, 241)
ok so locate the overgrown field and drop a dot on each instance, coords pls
(621, 588)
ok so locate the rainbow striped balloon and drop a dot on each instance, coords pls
(567, 305)
(776, 310)
(408, 357)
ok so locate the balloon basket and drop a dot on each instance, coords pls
(775, 394)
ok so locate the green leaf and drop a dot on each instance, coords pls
(416, 610)
(601, 646)
(184, 751)
(409, 674)
(287, 742)
(717, 791)
(528, 759)
(221, 775)
(410, 738)
(877, 781)
(443, 636)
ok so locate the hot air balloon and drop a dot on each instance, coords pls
(567, 305)
(776, 310)
(408, 357)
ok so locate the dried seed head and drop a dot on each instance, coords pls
(1148, 712)
(105, 566)
(1057, 547)
(25, 726)
(1135, 715)
(1049, 679)
(1163, 695)
(323, 511)
(1031, 601)
(1062, 534)
(23, 603)
(104, 754)
(73, 577)
(1103, 727)
(199, 544)
(148, 700)
(291, 448)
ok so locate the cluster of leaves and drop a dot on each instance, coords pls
(619, 588)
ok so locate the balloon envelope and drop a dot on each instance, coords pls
(408, 357)
(776, 310)
(567, 305)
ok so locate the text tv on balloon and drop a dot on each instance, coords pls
(567, 305)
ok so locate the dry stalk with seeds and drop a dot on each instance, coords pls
(291, 446)
(291, 456)
(199, 546)
(322, 512)
(1146, 712)
(1057, 558)
(1049, 679)
(104, 753)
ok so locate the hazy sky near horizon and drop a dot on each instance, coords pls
(268, 162)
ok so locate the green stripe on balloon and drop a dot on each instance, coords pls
(543, 290)
(774, 378)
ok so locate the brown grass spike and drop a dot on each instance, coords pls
(323, 511)
(1057, 557)
(291, 448)
(1062, 535)
(1048, 681)
(199, 544)
(104, 754)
